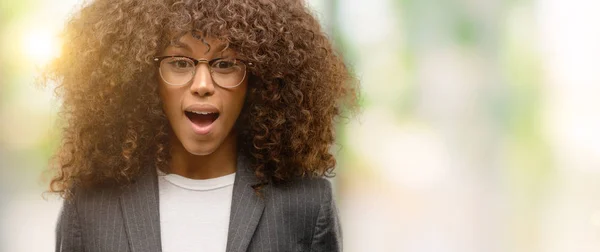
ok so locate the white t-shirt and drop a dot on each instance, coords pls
(194, 214)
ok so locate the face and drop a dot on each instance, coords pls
(201, 113)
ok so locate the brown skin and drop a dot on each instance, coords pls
(115, 125)
(193, 155)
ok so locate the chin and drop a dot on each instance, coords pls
(198, 149)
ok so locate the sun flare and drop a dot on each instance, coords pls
(40, 46)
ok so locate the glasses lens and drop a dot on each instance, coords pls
(228, 72)
(177, 70)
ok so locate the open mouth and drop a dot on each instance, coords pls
(202, 119)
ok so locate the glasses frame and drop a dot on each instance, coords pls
(158, 61)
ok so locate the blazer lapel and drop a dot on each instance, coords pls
(246, 208)
(139, 205)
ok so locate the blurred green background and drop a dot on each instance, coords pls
(479, 128)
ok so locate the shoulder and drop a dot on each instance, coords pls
(309, 203)
(315, 189)
(84, 196)
(306, 195)
(88, 203)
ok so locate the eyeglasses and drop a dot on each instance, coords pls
(180, 70)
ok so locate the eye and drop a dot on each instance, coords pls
(180, 63)
(224, 64)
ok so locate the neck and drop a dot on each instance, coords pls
(221, 162)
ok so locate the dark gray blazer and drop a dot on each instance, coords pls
(300, 216)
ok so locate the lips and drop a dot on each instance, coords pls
(202, 117)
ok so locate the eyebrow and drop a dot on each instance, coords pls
(221, 48)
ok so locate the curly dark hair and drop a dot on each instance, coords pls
(112, 120)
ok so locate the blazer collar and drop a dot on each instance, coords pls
(140, 209)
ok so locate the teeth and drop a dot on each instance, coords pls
(201, 113)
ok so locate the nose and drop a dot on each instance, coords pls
(202, 83)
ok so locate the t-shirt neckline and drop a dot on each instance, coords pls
(198, 184)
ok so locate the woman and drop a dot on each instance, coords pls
(197, 125)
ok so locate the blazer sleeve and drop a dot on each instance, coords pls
(68, 228)
(328, 232)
